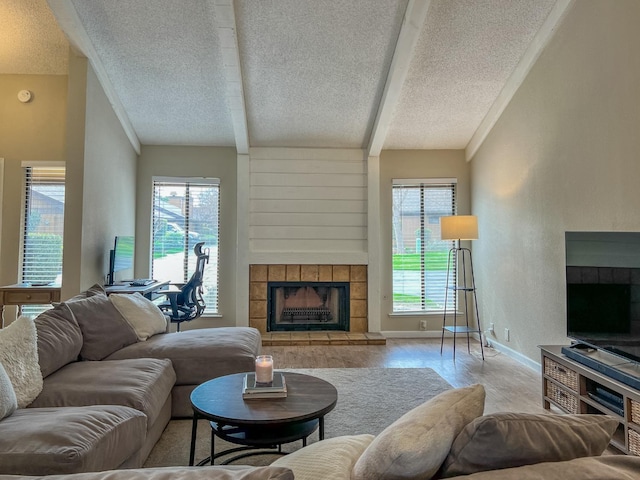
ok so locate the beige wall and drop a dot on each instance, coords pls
(110, 164)
(100, 186)
(216, 162)
(563, 156)
(414, 164)
(28, 131)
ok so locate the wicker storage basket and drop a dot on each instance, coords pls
(562, 374)
(634, 442)
(635, 412)
(566, 400)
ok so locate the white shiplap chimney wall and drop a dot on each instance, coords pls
(308, 206)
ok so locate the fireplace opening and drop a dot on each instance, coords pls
(307, 306)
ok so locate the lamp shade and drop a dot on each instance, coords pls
(459, 227)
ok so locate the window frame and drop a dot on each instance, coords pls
(426, 220)
(25, 210)
(212, 309)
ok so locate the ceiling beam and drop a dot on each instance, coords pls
(511, 86)
(70, 23)
(414, 19)
(224, 19)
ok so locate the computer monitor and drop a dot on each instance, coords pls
(121, 257)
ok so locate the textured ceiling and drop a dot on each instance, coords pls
(290, 73)
(31, 42)
(466, 53)
(314, 71)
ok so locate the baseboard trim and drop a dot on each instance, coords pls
(411, 334)
(511, 353)
(517, 356)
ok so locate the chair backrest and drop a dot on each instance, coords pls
(192, 290)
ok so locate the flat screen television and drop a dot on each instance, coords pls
(121, 257)
(599, 315)
(603, 292)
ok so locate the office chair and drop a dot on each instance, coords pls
(186, 303)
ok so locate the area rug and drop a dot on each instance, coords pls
(369, 399)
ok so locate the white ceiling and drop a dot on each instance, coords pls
(392, 74)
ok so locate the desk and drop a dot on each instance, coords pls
(126, 287)
(24, 294)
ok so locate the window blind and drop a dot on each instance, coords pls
(419, 256)
(186, 211)
(43, 225)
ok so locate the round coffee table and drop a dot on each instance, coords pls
(260, 423)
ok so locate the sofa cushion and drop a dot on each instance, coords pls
(608, 467)
(330, 458)
(523, 439)
(200, 355)
(415, 445)
(143, 384)
(142, 314)
(19, 356)
(103, 329)
(8, 400)
(41, 441)
(59, 339)
(227, 472)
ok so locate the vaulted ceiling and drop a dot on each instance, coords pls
(372, 74)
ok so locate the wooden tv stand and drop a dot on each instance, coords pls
(572, 387)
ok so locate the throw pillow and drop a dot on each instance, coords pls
(59, 339)
(415, 445)
(8, 400)
(95, 289)
(19, 356)
(517, 439)
(103, 329)
(142, 314)
(331, 458)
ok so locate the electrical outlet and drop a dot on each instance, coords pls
(423, 324)
(492, 328)
(506, 335)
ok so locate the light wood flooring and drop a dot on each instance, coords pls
(510, 386)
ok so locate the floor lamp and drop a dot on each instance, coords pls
(460, 227)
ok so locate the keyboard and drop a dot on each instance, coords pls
(141, 282)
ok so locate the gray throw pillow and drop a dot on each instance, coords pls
(59, 339)
(8, 401)
(504, 440)
(104, 330)
(95, 289)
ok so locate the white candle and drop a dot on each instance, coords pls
(264, 369)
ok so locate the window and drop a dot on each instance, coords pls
(419, 256)
(42, 227)
(186, 211)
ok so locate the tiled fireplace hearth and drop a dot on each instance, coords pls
(264, 277)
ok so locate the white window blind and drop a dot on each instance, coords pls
(186, 211)
(419, 256)
(43, 225)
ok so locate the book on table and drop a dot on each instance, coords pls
(275, 389)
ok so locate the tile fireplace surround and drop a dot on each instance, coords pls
(355, 275)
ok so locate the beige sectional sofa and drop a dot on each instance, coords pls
(446, 437)
(106, 383)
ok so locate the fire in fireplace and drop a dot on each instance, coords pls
(307, 306)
